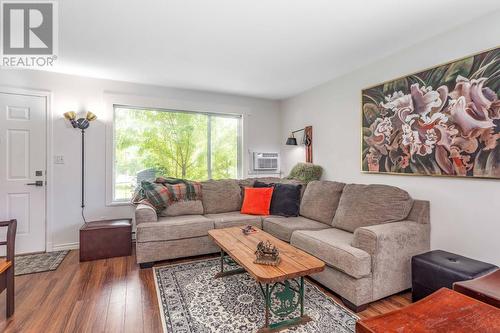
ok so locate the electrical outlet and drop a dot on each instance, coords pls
(58, 159)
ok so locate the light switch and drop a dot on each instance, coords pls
(58, 159)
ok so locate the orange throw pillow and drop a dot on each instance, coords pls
(257, 201)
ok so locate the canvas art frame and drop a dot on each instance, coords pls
(441, 121)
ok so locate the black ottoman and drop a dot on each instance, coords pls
(437, 269)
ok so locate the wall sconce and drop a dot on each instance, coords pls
(306, 140)
(292, 141)
(82, 124)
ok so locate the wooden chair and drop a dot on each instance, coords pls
(7, 265)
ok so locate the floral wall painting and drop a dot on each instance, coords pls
(443, 121)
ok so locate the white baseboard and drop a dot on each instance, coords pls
(66, 246)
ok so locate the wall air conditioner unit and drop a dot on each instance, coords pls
(266, 161)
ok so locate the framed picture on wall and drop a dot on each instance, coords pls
(443, 121)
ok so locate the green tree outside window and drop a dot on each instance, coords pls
(175, 144)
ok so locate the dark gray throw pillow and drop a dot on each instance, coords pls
(285, 200)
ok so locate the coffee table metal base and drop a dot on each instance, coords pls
(230, 262)
(281, 298)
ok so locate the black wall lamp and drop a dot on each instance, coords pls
(306, 141)
(292, 141)
(81, 124)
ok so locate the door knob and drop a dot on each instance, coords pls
(37, 183)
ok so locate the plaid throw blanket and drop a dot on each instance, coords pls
(165, 191)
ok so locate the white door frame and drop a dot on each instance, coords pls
(49, 166)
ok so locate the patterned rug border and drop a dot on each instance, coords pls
(158, 297)
(162, 313)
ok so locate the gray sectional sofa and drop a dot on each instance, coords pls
(366, 234)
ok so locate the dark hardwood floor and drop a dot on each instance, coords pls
(111, 295)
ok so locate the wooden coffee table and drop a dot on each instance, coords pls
(282, 285)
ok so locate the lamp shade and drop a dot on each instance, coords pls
(70, 115)
(90, 116)
(291, 141)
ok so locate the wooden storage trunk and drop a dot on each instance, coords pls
(105, 239)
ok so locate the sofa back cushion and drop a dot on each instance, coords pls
(365, 205)
(320, 200)
(188, 207)
(249, 182)
(221, 196)
(257, 201)
(285, 200)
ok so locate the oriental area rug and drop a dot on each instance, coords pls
(192, 301)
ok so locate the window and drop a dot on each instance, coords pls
(180, 144)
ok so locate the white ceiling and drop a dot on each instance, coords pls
(263, 48)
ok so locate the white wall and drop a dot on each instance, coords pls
(261, 132)
(464, 212)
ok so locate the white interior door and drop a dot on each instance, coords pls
(23, 168)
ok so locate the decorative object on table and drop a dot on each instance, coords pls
(485, 288)
(106, 239)
(443, 121)
(247, 230)
(306, 172)
(443, 311)
(437, 269)
(7, 265)
(39, 262)
(306, 141)
(267, 254)
(257, 201)
(165, 192)
(285, 200)
(82, 124)
(233, 303)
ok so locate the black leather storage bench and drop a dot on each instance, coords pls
(437, 269)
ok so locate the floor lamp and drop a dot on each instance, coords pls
(82, 124)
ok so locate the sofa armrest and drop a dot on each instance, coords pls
(145, 213)
(391, 246)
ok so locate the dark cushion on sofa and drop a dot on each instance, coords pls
(285, 200)
(437, 269)
(262, 184)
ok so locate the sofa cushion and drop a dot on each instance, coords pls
(235, 219)
(333, 246)
(175, 227)
(283, 227)
(188, 207)
(366, 205)
(285, 200)
(320, 200)
(249, 182)
(257, 201)
(221, 196)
